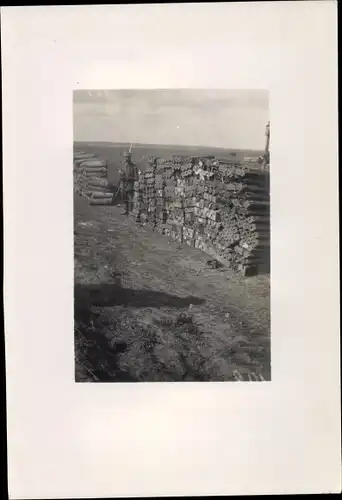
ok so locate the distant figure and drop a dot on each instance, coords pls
(265, 159)
(129, 176)
(267, 152)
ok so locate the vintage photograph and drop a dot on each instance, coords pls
(171, 235)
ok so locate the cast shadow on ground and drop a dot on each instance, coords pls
(109, 295)
(265, 266)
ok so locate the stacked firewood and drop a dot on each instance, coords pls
(91, 179)
(144, 199)
(213, 205)
(242, 236)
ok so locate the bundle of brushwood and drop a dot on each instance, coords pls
(91, 181)
(211, 204)
(80, 157)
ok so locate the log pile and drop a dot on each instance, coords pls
(210, 204)
(91, 179)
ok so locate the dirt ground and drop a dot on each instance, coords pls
(148, 309)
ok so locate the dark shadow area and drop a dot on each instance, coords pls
(108, 295)
(101, 347)
(94, 339)
(105, 351)
(265, 266)
(94, 331)
(265, 177)
(101, 361)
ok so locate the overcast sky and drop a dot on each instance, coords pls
(223, 118)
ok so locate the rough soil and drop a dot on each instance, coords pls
(149, 309)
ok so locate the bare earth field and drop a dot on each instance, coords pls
(149, 309)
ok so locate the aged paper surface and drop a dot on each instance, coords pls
(109, 440)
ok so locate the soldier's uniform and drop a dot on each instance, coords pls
(267, 152)
(130, 175)
(266, 162)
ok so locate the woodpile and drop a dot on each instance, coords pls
(213, 205)
(91, 179)
(80, 157)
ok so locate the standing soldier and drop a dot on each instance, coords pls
(267, 148)
(130, 175)
(264, 160)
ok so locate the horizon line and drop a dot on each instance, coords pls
(167, 145)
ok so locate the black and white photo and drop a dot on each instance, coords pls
(171, 251)
(171, 235)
